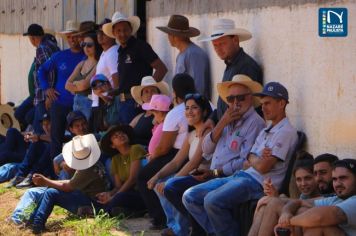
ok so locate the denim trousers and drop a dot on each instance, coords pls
(40, 110)
(125, 111)
(176, 221)
(37, 160)
(211, 203)
(82, 103)
(58, 115)
(8, 171)
(25, 111)
(70, 201)
(130, 200)
(13, 148)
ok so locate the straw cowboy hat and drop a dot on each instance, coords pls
(86, 27)
(223, 27)
(82, 152)
(119, 17)
(105, 142)
(71, 27)
(178, 25)
(145, 82)
(7, 119)
(244, 80)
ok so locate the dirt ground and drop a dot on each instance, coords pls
(9, 199)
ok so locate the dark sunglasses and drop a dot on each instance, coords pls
(86, 44)
(239, 98)
(98, 85)
(193, 95)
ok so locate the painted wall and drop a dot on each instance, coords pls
(320, 73)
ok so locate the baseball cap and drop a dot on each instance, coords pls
(34, 30)
(73, 116)
(98, 77)
(275, 90)
(349, 164)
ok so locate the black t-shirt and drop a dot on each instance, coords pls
(134, 63)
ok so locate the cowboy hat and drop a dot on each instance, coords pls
(145, 82)
(86, 27)
(244, 80)
(82, 152)
(159, 102)
(119, 17)
(223, 27)
(178, 25)
(105, 142)
(71, 27)
(7, 119)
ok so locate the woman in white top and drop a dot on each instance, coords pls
(197, 110)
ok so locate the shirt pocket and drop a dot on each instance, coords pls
(235, 143)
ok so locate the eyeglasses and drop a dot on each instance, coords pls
(86, 44)
(193, 95)
(239, 98)
(98, 85)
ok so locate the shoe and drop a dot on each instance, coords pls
(85, 211)
(19, 225)
(14, 181)
(167, 232)
(157, 225)
(26, 183)
(37, 229)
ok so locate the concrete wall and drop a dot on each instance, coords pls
(320, 73)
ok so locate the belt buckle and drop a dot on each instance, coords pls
(122, 97)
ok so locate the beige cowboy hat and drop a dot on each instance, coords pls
(178, 25)
(71, 27)
(244, 80)
(7, 119)
(82, 152)
(145, 82)
(119, 17)
(223, 27)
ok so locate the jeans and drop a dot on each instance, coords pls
(26, 205)
(70, 201)
(40, 110)
(58, 115)
(151, 200)
(211, 203)
(82, 103)
(25, 112)
(8, 171)
(130, 200)
(125, 110)
(14, 147)
(37, 160)
(176, 221)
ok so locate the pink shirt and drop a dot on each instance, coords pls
(156, 136)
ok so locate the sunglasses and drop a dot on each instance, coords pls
(193, 95)
(98, 85)
(239, 98)
(86, 44)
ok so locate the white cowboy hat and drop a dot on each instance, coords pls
(119, 17)
(71, 27)
(82, 152)
(244, 80)
(7, 119)
(145, 82)
(223, 27)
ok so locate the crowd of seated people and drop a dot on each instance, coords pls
(107, 133)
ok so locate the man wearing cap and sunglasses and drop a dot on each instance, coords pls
(191, 58)
(332, 216)
(211, 203)
(136, 60)
(226, 39)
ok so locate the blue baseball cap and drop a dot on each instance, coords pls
(73, 116)
(98, 77)
(275, 90)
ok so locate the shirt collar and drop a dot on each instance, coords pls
(236, 58)
(280, 124)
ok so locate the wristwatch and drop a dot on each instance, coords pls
(215, 173)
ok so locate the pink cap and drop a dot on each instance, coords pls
(159, 102)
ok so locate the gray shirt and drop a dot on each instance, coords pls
(235, 143)
(282, 139)
(195, 62)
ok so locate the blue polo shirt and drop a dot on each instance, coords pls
(134, 63)
(63, 63)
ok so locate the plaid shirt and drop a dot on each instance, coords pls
(43, 53)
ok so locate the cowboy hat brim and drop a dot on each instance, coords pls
(192, 32)
(88, 140)
(243, 35)
(137, 90)
(7, 119)
(65, 32)
(133, 20)
(254, 86)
